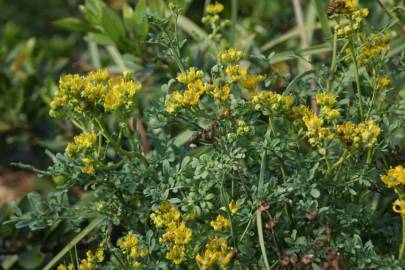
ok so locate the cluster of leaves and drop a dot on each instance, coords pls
(238, 179)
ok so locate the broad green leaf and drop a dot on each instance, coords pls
(31, 259)
(112, 24)
(141, 24)
(72, 24)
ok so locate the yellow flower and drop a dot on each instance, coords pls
(193, 93)
(250, 81)
(399, 207)
(190, 75)
(82, 94)
(235, 72)
(88, 166)
(174, 102)
(364, 134)
(64, 267)
(81, 143)
(182, 234)
(113, 100)
(268, 101)
(378, 44)
(129, 244)
(220, 223)
(216, 252)
(231, 56)
(383, 82)
(176, 254)
(178, 234)
(100, 255)
(329, 113)
(214, 8)
(395, 176)
(326, 99)
(165, 214)
(351, 4)
(98, 75)
(233, 207)
(89, 263)
(298, 112)
(221, 92)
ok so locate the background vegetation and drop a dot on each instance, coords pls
(41, 40)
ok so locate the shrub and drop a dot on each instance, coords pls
(287, 180)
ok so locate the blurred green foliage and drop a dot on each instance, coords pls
(40, 40)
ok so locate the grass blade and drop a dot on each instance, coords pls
(72, 243)
(323, 18)
(298, 54)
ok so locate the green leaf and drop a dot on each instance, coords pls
(100, 39)
(9, 261)
(141, 23)
(32, 258)
(72, 24)
(323, 18)
(112, 24)
(315, 193)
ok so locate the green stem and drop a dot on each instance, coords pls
(271, 126)
(234, 10)
(261, 238)
(333, 64)
(117, 148)
(402, 248)
(356, 70)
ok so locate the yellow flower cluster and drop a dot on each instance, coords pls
(399, 207)
(81, 143)
(64, 267)
(220, 223)
(355, 19)
(395, 177)
(220, 92)
(233, 207)
(377, 45)
(84, 94)
(88, 166)
(269, 102)
(250, 81)
(217, 253)
(364, 134)
(315, 130)
(130, 246)
(242, 129)
(298, 112)
(326, 101)
(351, 5)
(235, 72)
(165, 214)
(215, 8)
(191, 96)
(91, 261)
(191, 75)
(121, 93)
(231, 56)
(177, 235)
(212, 18)
(383, 82)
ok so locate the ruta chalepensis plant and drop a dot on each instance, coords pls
(239, 175)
